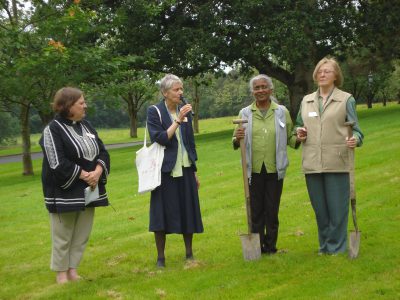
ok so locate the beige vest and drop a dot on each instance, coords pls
(325, 149)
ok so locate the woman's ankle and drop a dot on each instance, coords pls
(62, 277)
(73, 274)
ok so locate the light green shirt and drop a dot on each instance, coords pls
(182, 159)
(264, 138)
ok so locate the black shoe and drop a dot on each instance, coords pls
(161, 262)
(265, 250)
(189, 257)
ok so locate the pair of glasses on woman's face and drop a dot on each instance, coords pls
(320, 72)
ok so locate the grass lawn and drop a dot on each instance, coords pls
(119, 262)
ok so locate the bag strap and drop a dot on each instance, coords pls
(145, 132)
(159, 113)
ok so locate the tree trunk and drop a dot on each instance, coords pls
(15, 12)
(132, 112)
(299, 82)
(133, 122)
(302, 85)
(26, 141)
(369, 100)
(384, 98)
(45, 117)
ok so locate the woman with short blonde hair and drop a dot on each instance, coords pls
(321, 127)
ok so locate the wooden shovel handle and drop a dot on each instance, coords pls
(246, 184)
(245, 178)
(352, 177)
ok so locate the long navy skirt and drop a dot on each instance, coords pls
(174, 205)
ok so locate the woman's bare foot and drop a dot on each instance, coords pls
(62, 277)
(73, 275)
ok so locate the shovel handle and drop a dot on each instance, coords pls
(351, 174)
(351, 158)
(354, 213)
(349, 128)
(239, 122)
(246, 184)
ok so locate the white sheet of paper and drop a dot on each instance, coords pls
(90, 195)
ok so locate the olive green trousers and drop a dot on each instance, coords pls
(329, 194)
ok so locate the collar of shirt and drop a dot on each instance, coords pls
(271, 108)
(67, 121)
(330, 94)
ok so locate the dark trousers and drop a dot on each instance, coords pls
(329, 194)
(265, 197)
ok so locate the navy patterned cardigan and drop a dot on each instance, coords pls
(68, 147)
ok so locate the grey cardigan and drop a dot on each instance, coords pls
(282, 161)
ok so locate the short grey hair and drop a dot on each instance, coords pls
(168, 81)
(263, 77)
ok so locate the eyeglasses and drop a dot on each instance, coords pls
(325, 72)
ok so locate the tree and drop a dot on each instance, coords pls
(43, 49)
(161, 38)
(367, 75)
(281, 38)
(377, 46)
(133, 87)
(231, 93)
(163, 35)
(13, 40)
(8, 127)
(378, 28)
(393, 89)
(195, 83)
(221, 95)
(104, 111)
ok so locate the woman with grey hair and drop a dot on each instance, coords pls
(266, 136)
(174, 205)
(267, 80)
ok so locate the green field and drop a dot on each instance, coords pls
(119, 262)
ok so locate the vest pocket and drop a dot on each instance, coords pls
(335, 158)
(310, 159)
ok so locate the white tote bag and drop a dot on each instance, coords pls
(148, 164)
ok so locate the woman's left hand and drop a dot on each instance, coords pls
(93, 178)
(197, 180)
(351, 142)
(184, 110)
